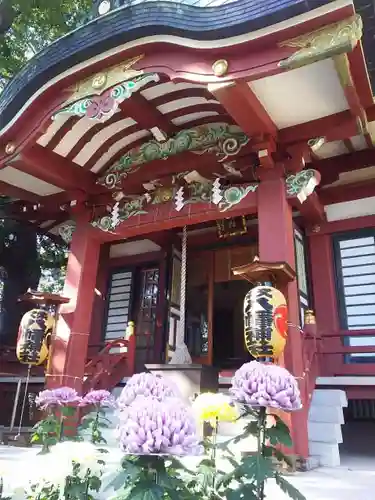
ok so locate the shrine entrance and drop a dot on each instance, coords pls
(214, 318)
(229, 351)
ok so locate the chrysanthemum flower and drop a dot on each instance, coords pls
(146, 385)
(211, 407)
(158, 427)
(266, 385)
(63, 396)
(99, 399)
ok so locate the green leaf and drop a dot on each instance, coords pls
(244, 492)
(206, 473)
(95, 483)
(147, 490)
(288, 488)
(281, 457)
(279, 434)
(257, 467)
(118, 481)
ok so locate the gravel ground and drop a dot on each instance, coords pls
(354, 479)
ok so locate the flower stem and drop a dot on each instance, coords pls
(261, 438)
(95, 427)
(61, 427)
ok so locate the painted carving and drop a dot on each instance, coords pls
(104, 80)
(299, 185)
(223, 139)
(234, 195)
(102, 107)
(327, 42)
(194, 192)
(66, 230)
(302, 184)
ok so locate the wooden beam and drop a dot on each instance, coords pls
(245, 108)
(54, 169)
(312, 209)
(334, 127)
(146, 115)
(18, 193)
(164, 216)
(331, 168)
(348, 192)
(342, 66)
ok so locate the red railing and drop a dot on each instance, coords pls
(311, 348)
(334, 350)
(115, 361)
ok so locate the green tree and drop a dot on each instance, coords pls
(35, 25)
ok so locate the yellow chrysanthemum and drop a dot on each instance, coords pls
(211, 407)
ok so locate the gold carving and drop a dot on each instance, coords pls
(309, 318)
(10, 148)
(220, 67)
(326, 42)
(98, 83)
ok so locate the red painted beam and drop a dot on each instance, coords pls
(312, 209)
(54, 169)
(347, 192)
(341, 226)
(360, 76)
(18, 193)
(146, 115)
(352, 333)
(164, 216)
(334, 127)
(330, 168)
(245, 108)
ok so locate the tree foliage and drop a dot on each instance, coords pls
(36, 24)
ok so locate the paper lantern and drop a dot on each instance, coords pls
(33, 335)
(265, 322)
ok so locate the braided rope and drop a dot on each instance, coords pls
(181, 332)
(181, 355)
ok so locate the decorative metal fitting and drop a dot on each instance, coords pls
(99, 81)
(220, 67)
(10, 148)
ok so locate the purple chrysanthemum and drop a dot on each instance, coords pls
(63, 396)
(146, 385)
(265, 385)
(100, 398)
(158, 427)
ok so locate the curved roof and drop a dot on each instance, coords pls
(144, 94)
(144, 20)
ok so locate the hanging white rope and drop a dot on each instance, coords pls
(181, 355)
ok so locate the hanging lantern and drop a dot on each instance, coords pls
(33, 335)
(265, 322)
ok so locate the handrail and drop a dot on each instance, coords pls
(105, 370)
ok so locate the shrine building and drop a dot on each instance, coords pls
(172, 144)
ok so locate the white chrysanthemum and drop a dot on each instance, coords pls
(53, 468)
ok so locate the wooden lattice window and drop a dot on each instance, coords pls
(355, 278)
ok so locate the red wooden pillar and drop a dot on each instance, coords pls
(276, 244)
(70, 341)
(324, 292)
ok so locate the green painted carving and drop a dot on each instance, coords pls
(66, 230)
(227, 140)
(103, 106)
(124, 212)
(194, 192)
(326, 42)
(234, 195)
(302, 184)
